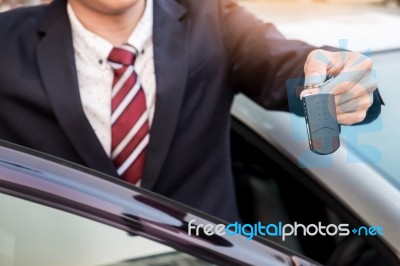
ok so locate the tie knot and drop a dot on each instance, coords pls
(124, 55)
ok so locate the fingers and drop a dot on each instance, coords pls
(319, 63)
(353, 99)
(344, 61)
(354, 105)
(348, 90)
(316, 66)
(307, 92)
(351, 118)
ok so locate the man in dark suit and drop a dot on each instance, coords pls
(63, 66)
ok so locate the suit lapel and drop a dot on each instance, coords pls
(55, 55)
(171, 63)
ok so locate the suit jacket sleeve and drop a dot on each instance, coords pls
(263, 61)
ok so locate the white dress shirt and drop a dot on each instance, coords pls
(95, 75)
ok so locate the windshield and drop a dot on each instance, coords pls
(378, 141)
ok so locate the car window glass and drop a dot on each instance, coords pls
(37, 235)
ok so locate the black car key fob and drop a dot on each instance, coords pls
(322, 127)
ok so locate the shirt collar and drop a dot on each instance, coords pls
(96, 49)
(144, 29)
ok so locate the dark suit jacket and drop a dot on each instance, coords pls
(205, 52)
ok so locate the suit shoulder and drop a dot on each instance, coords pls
(219, 8)
(17, 19)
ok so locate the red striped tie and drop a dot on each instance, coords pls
(129, 118)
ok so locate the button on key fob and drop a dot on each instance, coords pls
(322, 127)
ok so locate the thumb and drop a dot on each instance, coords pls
(315, 70)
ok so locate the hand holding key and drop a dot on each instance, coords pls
(352, 87)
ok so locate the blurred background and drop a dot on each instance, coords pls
(9, 4)
(359, 25)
